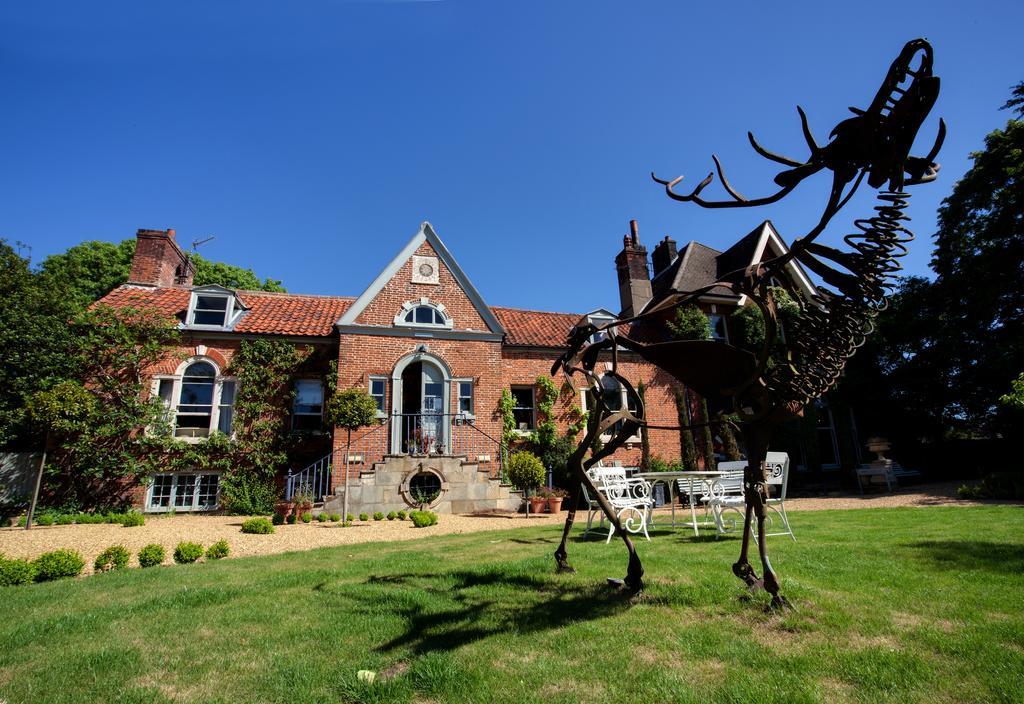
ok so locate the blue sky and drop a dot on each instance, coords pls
(313, 137)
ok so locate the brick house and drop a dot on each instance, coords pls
(422, 341)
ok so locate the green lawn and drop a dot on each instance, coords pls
(894, 605)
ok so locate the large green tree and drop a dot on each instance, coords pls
(979, 284)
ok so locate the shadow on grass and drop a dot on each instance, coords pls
(973, 555)
(464, 606)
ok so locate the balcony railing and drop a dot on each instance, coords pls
(448, 434)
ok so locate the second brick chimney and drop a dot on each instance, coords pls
(663, 255)
(634, 277)
(159, 261)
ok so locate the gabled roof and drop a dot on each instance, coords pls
(269, 313)
(425, 234)
(698, 266)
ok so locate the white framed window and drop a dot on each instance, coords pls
(598, 320)
(424, 314)
(213, 308)
(524, 408)
(615, 398)
(308, 405)
(718, 329)
(184, 491)
(464, 388)
(197, 400)
(379, 391)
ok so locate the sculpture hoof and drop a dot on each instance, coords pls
(566, 569)
(779, 603)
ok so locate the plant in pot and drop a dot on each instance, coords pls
(282, 508)
(302, 499)
(526, 472)
(555, 497)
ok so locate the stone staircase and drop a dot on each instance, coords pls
(465, 487)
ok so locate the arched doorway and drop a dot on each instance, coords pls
(420, 407)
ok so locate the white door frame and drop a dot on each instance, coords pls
(397, 391)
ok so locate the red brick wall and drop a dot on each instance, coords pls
(388, 302)
(157, 258)
(522, 366)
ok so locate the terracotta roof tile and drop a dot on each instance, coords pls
(534, 328)
(269, 313)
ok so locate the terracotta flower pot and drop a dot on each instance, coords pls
(283, 509)
(537, 504)
(302, 508)
(555, 504)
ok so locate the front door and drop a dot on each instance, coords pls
(432, 409)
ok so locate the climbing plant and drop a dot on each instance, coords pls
(508, 419)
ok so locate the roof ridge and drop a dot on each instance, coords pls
(534, 310)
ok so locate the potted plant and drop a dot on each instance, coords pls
(302, 499)
(555, 498)
(526, 472)
(283, 508)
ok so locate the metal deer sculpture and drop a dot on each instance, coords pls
(761, 389)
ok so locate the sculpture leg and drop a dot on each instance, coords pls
(633, 581)
(561, 554)
(755, 490)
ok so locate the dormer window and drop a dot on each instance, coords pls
(214, 307)
(211, 310)
(424, 314)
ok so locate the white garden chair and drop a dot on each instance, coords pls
(729, 497)
(631, 499)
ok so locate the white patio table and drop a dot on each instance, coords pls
(693, 477)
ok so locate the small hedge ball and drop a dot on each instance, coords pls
(44, 520)
(133, 519)
(307, 517)
(151, 555)
(378, 516)
(392, 515)
(335, 517)
(58, 564)
(277, 519)
(422, 519)
(65, 519)
(364, 516)
(401, 515)
(113, 558)
(322, 518)
(188, 552)
(15, 572)
(218, 550)
(292, 519)
(349, 518)
(260, 526)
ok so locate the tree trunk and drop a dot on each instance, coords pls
(39, 483)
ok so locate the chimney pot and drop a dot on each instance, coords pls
(634, 231)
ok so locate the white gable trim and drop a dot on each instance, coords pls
(769, 234)
(426, 234)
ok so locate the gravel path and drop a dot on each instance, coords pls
(168, 531)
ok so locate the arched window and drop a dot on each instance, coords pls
(198, 401)
(423, 313)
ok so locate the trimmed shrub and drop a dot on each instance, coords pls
(65, 519)
(132, 519)
(349, 518)
(322, 517)
(392, 515)
(378, 516)
(151, 555)
(401, 515)
(292, 519)
(364, 516)
(422, 519)
(260, 526)
(218, 550)
(525, 470)
(58, 564)
(307, 517)
(187, 552)
(242, 494)
(277, 519)
(113, 558)
(44, 519)
(15, 572)
(335, 517)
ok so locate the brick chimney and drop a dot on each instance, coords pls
(634, 278)
(663, 255)
(158, 260)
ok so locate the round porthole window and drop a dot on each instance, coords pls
(424, 488)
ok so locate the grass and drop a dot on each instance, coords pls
(899, 605)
